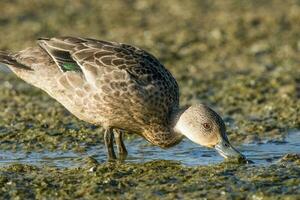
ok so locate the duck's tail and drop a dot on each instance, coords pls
(10, 60)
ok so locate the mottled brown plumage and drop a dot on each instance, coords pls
(118, 86)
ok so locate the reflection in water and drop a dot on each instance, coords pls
(186, 152)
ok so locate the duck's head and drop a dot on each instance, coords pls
(205, 127)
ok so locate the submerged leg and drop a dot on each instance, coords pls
(120, 144)
(109, 144)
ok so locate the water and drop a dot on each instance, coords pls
(4, 68)
(187, 153)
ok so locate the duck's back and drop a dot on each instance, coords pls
(101, 82)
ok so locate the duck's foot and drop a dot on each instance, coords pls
(122, 152)
(109, 144)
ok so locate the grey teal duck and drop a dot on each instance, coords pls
(120, 87)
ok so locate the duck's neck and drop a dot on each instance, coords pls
(162, 137)
(165, 136)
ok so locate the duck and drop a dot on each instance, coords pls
(120, 87)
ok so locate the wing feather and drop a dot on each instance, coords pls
(95, 56)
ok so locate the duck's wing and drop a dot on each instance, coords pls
(81, 54)
(90, 57)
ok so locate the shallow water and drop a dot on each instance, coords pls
(187, 153)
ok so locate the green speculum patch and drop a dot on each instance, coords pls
(70, 67)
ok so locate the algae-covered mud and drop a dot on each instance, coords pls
(241, 57)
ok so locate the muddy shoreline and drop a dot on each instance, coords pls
(241, 57)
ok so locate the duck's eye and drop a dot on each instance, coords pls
(207, 126)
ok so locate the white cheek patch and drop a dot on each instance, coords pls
(187, 129)
(192, 132)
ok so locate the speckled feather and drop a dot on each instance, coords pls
(108, 83)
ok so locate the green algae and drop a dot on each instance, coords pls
(152, 180)
(242, 57)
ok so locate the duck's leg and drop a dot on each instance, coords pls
(109, 144)
(120, 144)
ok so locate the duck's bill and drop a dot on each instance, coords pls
(225, 149)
